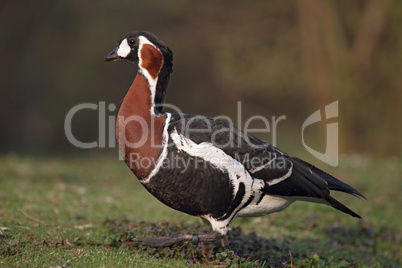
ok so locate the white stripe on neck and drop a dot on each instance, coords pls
(164, 152)
(151, 81)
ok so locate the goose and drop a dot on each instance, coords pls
(202, 166)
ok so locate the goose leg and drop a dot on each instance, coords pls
(225, 242)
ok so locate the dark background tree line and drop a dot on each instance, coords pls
(277, 57)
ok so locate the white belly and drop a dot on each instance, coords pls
(268, 204)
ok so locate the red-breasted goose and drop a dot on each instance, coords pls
(202, 166)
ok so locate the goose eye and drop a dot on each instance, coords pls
(131, 41)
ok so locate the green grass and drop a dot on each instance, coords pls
(84, 209)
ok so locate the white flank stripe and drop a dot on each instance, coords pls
(124, 49)
(224, 162)
(284, 177)
(218, 158)
(254, 170)
(164, 152)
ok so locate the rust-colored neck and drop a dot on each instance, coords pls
(139, 132)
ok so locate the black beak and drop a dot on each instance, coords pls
(112, 55)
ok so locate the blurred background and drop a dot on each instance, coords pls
(277, 57)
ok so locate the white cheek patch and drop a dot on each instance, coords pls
(124, 49)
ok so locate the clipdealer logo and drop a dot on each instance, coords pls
(107, 136)
(330, 156)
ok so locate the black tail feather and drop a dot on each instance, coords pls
(333, 183)
(339, 206)
(337, 185)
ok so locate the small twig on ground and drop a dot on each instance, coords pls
(32, 218)
(8, 263)
(291, 260)
(205, 255)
